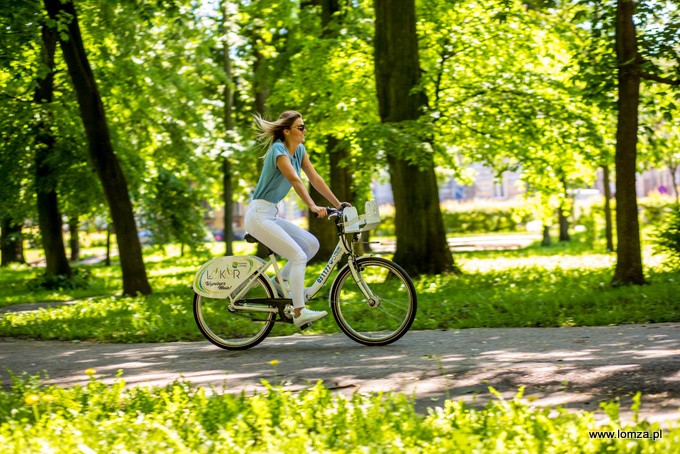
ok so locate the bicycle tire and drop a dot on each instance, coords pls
(389, 320)
(234, 331)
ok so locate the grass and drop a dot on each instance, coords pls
(180, 418)
(562, 285)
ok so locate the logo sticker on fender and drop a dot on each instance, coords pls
(220, 276)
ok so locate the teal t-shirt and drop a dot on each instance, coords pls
(273, 186)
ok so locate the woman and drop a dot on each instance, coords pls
(284, 159)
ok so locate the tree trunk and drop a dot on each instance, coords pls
(260, 94)
(546, 236)
(101, 151)
(74, 240)
(11, 241)
(608, 209)
(564, 225)
(629, 256)
(673, 170)
(107, 262)
(561, 218)
(419, 227)
(323, 229)
(340, 178)
(341, 182)
(49, 217)
(228, 98)
(228, 207)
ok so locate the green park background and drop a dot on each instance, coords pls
(125, 116)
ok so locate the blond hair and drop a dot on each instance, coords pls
(271, 131)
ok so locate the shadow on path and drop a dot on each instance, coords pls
(573, 367)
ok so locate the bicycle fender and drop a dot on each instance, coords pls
(222, 276)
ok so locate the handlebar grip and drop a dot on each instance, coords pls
(329, 211)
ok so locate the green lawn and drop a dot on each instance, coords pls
(562, 285)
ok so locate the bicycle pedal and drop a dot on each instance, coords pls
(305, 326)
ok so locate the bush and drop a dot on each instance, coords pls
(179, 418)
(470, 218)
(81, 278)
(485, 220)
(655, 209)
(667, 239)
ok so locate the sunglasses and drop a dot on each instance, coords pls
(301, 127)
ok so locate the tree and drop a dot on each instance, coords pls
(636, 57)
(17, 164)
(228, 98)
(336, 156)
(631, 67)
(325, 70)
(100, 147)
(421, 238)
(629, 254)
(11, 242)
(49, 216)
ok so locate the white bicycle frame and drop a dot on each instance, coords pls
(220, 277)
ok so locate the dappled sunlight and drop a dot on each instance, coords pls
(481, 265)
(576, 367)
(545, 260)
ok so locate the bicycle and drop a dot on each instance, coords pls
(372, 299)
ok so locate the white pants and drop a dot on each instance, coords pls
(286, 239)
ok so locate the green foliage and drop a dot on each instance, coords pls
(16, 285)
(81, 278)
(667, 239)
(173, 211)
(182, 419)
(656, 210)
(483, 221)
(472, 220)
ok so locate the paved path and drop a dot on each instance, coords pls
(470, 243)
(574, 367)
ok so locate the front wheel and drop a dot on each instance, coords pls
(383, 319)
(236, 330)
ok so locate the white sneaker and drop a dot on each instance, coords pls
(308, 316)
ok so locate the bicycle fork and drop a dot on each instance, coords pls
(356, 270)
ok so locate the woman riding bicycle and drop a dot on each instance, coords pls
(285, 158)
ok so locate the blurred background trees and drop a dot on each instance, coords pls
(545, 87)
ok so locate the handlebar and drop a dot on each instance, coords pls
(334, 211)
(331, 212)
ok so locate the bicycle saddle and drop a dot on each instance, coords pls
(251, 239)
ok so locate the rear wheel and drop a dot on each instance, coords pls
(378, 321)
(235, 330)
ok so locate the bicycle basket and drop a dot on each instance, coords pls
(353, 223)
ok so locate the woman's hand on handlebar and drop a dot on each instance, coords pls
(320, 212)
(329, 210)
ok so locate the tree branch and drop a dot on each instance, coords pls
(663, 80)
(15, 98)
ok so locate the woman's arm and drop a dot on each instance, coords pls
(288, 171)
(318, 182)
